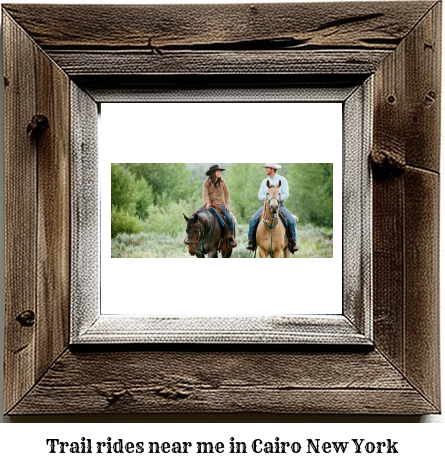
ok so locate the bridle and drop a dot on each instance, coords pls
(273, 222)
(200, 244)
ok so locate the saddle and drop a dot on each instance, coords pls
(224, 244)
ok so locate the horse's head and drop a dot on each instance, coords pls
(273, 196)
(193, 231)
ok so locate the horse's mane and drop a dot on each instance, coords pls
(203, 218)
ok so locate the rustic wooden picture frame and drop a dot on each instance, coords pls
(55, 54)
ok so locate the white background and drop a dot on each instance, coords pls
(221, 132)
(419, 443)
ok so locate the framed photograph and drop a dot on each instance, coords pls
(93, 91)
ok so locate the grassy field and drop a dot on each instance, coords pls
(314, 242)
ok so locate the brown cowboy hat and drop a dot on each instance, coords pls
(214, 168)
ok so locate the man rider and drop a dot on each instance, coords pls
(273, 177)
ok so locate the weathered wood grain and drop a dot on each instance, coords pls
(85, 211)
(423, 91)
(262, 38)
(406, 205)
(388, 268)
(348, 25)
(422, 364)
(142, 88)
(222, 382)
(388, 200)
(37, 213)
(357, 209)
(53, 200)
(20, 213)
(407, 113)
(100, 63)
(89, 327)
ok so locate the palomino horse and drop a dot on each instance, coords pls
(204, 235)
(271, 233)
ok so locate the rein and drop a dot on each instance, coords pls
(274, 222)
(201, 253)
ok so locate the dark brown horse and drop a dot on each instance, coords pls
(204, 235)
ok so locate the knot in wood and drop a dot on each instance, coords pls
(386, 162)
(430, 97)
(155, 50)
(37, 126)
(26, 318)
(172, 393)
(114, 397)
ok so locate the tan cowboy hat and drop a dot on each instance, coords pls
(275, 166)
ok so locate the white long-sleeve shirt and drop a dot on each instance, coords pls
(284, 188)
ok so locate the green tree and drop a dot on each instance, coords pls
(144, 198)
(311, 192)
(124, 199)
(123, 189)
(124, 222)
(198, 170)
(167, 181)
(244, 181)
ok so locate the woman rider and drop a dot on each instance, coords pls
(212, 193)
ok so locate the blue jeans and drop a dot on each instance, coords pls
(227, 216)
(290, 219)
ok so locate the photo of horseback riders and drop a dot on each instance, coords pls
(231, 210)
(207, 235)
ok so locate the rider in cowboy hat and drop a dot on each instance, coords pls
(273, 177)
(212, 193)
